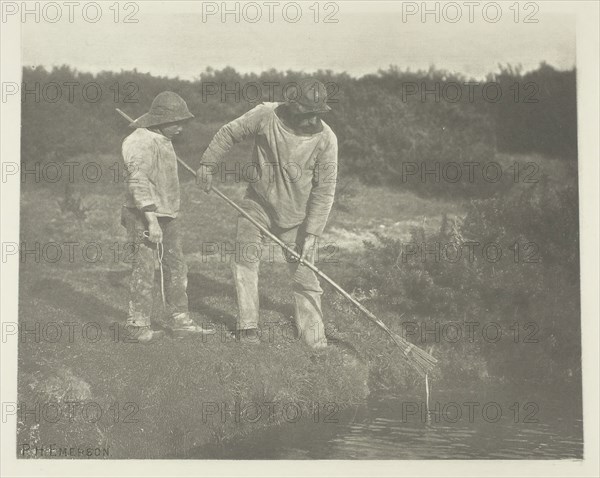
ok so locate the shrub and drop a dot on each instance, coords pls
(379, 129)
(533, 289)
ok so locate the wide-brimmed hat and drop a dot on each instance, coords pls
(310, 97)
(167, 107)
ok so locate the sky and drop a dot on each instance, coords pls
(174, 39)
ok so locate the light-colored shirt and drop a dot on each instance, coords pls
(151, 173)
(293, 174)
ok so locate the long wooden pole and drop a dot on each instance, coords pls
(297, 256)
(294, 254)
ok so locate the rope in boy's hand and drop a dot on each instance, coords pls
(160, 251)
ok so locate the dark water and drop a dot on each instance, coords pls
(490, 424)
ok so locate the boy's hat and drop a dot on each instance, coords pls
(167, 107)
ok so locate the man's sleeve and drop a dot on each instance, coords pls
(323, 190)
(139, 157)
(234, 132)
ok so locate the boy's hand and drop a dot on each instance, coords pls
(204, 177)
(308, 248)
(154, 230)
(154, 233)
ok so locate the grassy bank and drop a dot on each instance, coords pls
(77, 363)
(84, 382)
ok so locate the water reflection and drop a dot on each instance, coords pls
(463, 425)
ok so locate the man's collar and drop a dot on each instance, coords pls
(283, 113)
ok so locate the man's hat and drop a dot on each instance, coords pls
(311, 97)
(167, 107)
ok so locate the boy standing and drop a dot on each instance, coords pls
(150, 216)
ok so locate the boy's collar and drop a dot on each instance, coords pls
(157, 132)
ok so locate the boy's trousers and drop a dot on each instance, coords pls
(143, 256)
